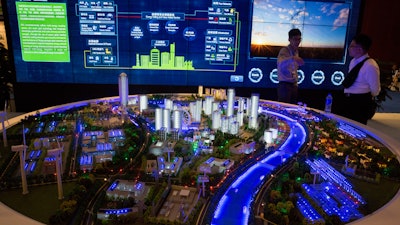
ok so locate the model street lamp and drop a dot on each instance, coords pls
(57, 153)
(21, 149)
(204, 178)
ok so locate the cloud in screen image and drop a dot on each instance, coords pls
(323, 24)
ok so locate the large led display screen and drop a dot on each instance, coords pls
(182, 42)
(323, 25)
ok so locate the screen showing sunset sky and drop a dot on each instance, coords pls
(323, 24)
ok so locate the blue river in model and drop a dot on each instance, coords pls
(234, 206)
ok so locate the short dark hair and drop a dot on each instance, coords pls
(294, 32)
(363, 40)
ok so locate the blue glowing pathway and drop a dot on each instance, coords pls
(234, 206)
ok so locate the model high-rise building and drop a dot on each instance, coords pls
(240, 117)
(230, 102)
(215, 106)
(158, 118)
(224, 124)
(241, 104)
(216, 120)
(208, 105)
(248, 106)
(123, 89)
(143, 103)
(168, 104)
(195, 109)
(177, 120)
(254, 111)
(167, 120)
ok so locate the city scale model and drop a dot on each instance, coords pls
(201, 158)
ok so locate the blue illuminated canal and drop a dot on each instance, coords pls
(235, 205)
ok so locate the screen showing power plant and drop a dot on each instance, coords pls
(182, 42)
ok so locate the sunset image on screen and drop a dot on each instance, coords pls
(323, 26)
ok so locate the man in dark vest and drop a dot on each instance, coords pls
(362, 82)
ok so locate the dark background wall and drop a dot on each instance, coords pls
(378, 18)
(381, 20)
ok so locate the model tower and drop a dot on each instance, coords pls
(231, 102)
(123, 89)
(254, 111)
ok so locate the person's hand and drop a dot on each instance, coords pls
(298, 60)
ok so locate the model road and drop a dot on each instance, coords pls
(235, 205)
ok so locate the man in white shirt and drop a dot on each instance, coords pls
(359, 95)
(288, 62)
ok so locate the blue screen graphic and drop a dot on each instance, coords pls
(183, 43)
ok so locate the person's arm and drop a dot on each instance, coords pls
(298, 60)
(373, 78)
(285, 58)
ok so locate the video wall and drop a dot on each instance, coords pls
(220, 43)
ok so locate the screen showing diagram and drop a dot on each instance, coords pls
(187, 43)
